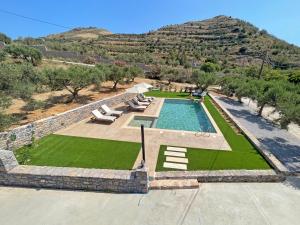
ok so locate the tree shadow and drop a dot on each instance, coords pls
(230, 101)
(248, 115)
(261, 122)
(293, 182)
(287, 153)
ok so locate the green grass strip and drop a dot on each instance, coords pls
(68, 151)
(166, 94)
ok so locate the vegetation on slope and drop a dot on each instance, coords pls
(232, 42)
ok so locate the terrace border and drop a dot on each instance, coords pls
(121, 181)
(25, 134)
(222, 175)
(268, 156)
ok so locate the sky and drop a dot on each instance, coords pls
(279, 17)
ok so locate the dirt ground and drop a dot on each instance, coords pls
(56, 100)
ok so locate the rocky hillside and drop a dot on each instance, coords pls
(231, 41)
(80, 33)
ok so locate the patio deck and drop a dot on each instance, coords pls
(153, 137)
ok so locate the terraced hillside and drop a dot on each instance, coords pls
(231, 41)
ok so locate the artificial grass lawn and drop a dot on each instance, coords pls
(243, 154)
(67, 151)
(166, 94)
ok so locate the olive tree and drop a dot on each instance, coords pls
(29, 54)
(117, 74)
(73, 79)
(16, 81)
(203, 80)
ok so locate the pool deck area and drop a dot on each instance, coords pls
(119, 130)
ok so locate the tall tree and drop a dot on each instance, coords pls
(16, 81)
(203, 80)
(117, 74)
(73, 79)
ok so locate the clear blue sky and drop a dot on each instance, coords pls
(278, 17)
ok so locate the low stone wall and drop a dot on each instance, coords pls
(23, 135)
(223, 175)
(122, 181)
(268, 156)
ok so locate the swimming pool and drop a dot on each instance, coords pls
(177, 114)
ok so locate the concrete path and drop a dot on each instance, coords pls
(285, 146)
(212, 203)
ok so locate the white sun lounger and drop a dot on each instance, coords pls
(100, 117)
(147, 98)
(141, 99)
(136, 107)
(109, 112)
(137, 102)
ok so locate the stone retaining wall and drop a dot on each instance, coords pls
(122, 181)
(23, 135)
(223, 175)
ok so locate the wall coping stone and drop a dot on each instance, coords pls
(223, 175)
(8, 161)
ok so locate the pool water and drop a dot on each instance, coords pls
(139, 120)
(177, 114)
(186, 115)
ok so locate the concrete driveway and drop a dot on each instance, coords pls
(215, 203)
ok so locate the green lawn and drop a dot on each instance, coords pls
(166, 94)
(67, 151)
(243, 155)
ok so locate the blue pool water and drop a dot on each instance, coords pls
(186, 115)
(178, 114)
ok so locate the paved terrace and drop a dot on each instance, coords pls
(285, 146)
(211, 204)
(154, 137)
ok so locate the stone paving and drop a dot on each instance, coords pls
(175, 158)
(285, 146)
(210, 204)
(119, 130)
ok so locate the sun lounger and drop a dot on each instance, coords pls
(136, 107)
(150, 99)
(142, 99)
(109, 112)
(100, 117)
(137, 102)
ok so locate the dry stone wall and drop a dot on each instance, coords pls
(23, 135)
(122, 181)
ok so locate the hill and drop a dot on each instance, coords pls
(230, 41)
(80, 33)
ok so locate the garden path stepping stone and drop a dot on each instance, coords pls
(176, 154)
(175, 166)
(177, 160)
(176, 149)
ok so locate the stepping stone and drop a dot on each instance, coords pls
(175, 149)
(175, 166)
(176, 154)
(177, 160)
